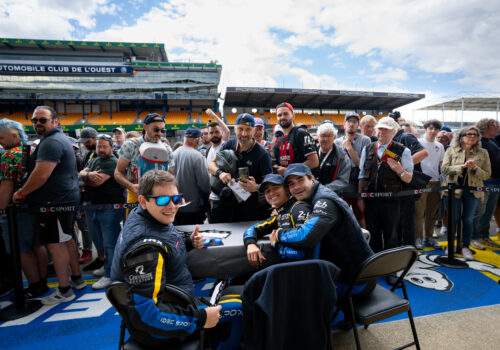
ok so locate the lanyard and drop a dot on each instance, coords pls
(324, 159)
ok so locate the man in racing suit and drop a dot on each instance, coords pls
(151, 253)
(289, 213)
(331, 224)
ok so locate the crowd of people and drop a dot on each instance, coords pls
(300, 188)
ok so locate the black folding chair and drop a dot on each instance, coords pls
(382, 303)
(117, 295)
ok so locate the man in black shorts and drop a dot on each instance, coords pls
(296, 145)
(53, 182)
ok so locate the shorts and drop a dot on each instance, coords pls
(28, 237)
(55, 227)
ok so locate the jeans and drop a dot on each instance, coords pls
(92, 227)
(469, 204)
(484, 212)
(107, 223)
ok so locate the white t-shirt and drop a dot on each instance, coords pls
(430, 165)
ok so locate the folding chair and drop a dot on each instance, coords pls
(117, 295)
(382, 303)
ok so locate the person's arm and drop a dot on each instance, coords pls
(312, 161)
(325, 216)
(121, 178)
(39, 176)
(347, 144)
(310, 152)
(420, 156)
(252, 234)
(214, 170)
(225, 130)
(482, 168)
(447, 167)
(96, 178)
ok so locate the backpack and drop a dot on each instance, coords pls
(152, 156)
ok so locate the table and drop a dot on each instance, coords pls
(228, 260)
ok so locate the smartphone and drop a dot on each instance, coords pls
(243, 173)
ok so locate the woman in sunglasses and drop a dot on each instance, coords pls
(466, 164)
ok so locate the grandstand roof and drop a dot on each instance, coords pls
(489, 104)
(317, 99)
(148, 50)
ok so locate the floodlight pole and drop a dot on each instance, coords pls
(462, 123)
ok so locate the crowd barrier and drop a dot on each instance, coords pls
(23, 307)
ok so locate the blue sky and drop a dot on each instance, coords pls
(441, 48)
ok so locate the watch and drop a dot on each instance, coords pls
(402, 174)
(218, 172)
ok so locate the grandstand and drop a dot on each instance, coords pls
(103, 83)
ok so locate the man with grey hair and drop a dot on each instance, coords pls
(334, 165)
(384, 166)
(367, 125)
(190, 170)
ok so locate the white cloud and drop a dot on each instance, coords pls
(390, 74)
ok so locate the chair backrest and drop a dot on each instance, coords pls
(117, 296)
(387, 262)
(290, 306)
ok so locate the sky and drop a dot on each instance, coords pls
(443, 49)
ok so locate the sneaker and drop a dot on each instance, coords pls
(418, 244)
(467, 254)
(476, 244)
(86, 256)
(489, 243)
(57, 297)
(5, 289)
(79, 284)
(443, 231)
(430, 242)
(31, 293)
(103, 282)
(96, 264)
(98, 272)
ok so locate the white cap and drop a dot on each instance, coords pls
(277, 128)
(387, 123)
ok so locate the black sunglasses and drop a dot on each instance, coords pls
(155, 129)
(41, 120)
(164, 200)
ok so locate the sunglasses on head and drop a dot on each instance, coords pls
(41, 120)
(155, 129)
(104, 136)
(164, 200)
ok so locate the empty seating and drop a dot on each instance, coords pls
(205, 117)
(305, 119)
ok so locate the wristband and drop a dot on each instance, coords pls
(20, 194)
(87, 175)
(402, 174)
(218, 172)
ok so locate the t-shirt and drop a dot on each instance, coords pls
(192, 177)
(110, 191)
(212, 151)
(62, 185)
(493, 149)
(296, 147)
(130, 152)
(358, 143)
(11, 167)
(430, 164)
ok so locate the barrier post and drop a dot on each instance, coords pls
(449, 260)
(21, 307)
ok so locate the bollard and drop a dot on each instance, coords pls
(449, 260)
(21, 307)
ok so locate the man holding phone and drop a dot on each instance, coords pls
(250, 155)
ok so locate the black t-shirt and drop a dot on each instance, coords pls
(296, 147)
(411, 142)
(62, 185)
(257, 159)
(110, 191)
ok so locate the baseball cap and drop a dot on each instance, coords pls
(87, 134)
(351, 115)
(273, 179)
(192, 132)
(245, 119)
(446, 128)
(119, 129)
(387, 123)
(278, 128)
(284, 104)
(153, 117)
(302, 125)
(298, 169)
(259, 122)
